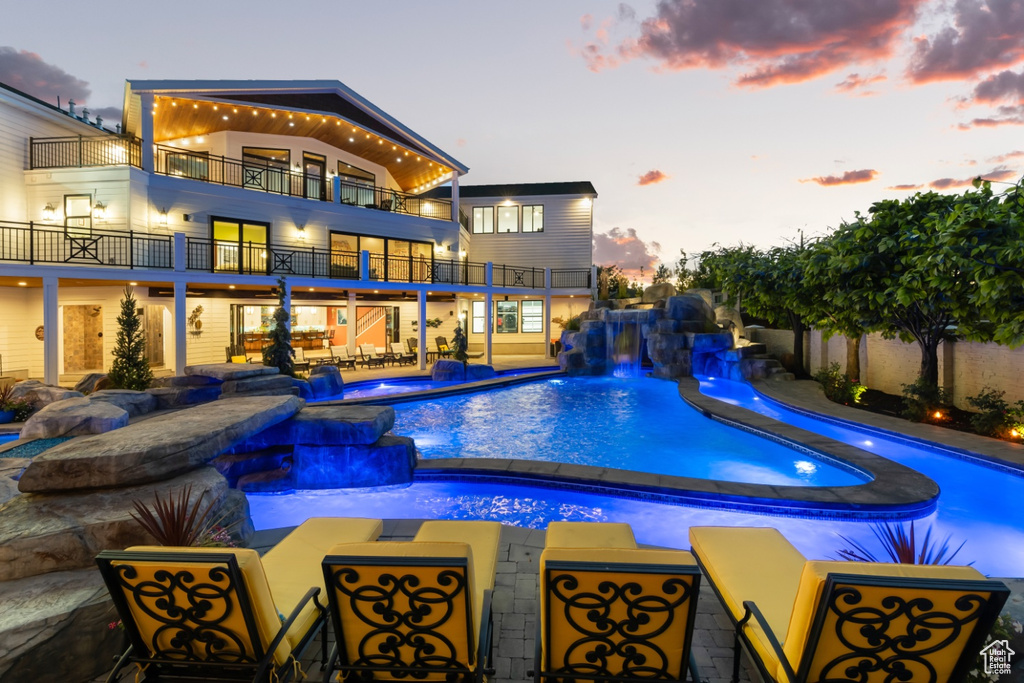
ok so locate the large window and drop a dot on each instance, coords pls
(506, 316)
(356, 185)
(266, 169)
(483, 220)
(533, 218)
(479, 313)
(194, 165)
(239, 246)
(533, 316)
(508, 219)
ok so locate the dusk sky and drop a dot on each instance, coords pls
(698, 121)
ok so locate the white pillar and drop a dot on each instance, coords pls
(350, 325)
(146, 131)
(51, 332)
(288, 305)
(364, 265)
(180, 329)
(421, 301)
(547, 313)
(180, 252)
(488, 320)
(455, 198)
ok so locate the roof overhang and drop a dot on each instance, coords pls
(324, 110)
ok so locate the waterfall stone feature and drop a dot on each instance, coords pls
(682, 337)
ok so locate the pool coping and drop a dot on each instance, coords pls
(894, 492)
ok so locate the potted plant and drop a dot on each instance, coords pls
(13, 409)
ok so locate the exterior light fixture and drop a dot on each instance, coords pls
(231, 286)
(162, 218)
(49, 212)
(301, 231)
(134, 284)
(99, 211)
(23, 284)
(462, 253)
(586, 201)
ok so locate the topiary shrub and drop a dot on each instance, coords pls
(838, 387)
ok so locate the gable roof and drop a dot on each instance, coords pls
(580, 187)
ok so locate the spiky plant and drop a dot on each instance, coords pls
(130, 369)
(174, 521)
(901, 546)
(459, 345)
(279, 353)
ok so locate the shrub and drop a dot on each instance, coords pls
(22, 407)
(571, 324)
(173, 521)
(996, 417)
(901, 547)
(838, 387)
(921, 399)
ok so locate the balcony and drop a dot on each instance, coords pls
(83, 152)
(27, 243)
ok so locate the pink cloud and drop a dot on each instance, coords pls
(777, 41)
(1005, 116)
(1005, 86)
(26, 71)
(904, 187)
(623, 248)
(586, 21)
(1003, 158)
(848, 178)
(855, 83)
(985, 34)
(1000, 173)
(652, 177)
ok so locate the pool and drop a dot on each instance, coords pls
(405, 385)
(988, 521)
(630, 424)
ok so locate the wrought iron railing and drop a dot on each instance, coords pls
(515, 276)
(27, 243)
(80, 151)
(253, 258)
(578, 278)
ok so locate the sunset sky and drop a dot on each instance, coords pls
(698, 121)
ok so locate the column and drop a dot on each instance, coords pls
(180, 252)
(287, 304)
(51, 331)
(146, 133)
(180, 329)
(488, 324)
(421, 301)
(350, 324)
(455, 199)
(547, 313)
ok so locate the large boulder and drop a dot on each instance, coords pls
(710, 343)
(41, 395)
(230, 371)
(662, 290)
(305, 391)
(55, 532)
(328, 424)
(184, 395)
(74, 417)
(387, 462)
(184, 381)
(158, 448)
(455, 371)
(258, 385)
(135, 403)
(326, 382)
(691, 307)
(94, 381)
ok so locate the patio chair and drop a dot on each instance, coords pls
(369, 358)
(610, 611)
(443, 349)
(218, 613)
(419, 609)
(300, 363)
(342, 358)
(401, 354)
(804, 620)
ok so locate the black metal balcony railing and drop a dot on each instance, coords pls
(27, 243)
(80, 151)
(572, 278)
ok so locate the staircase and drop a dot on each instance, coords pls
(372, 317)
(755, 363)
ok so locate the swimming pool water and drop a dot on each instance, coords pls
(406, 385)
(632, 424)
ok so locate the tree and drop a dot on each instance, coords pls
(130, 369)
(770, 284)
(693, 278)
(459, 345)
(279, 353)
(661, 274)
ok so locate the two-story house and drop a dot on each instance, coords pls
(210, 191)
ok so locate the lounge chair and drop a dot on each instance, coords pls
(236, 354)
(443, 349)
(342, 358)
(419, 609)
(610, 611)
(369, 358)
(223, 613)
(401, 354)
(300, 363)
(806, 620)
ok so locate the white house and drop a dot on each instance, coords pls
(211, 190)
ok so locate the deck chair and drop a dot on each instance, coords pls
(236, 354)
(401, 354)
(369, 358)
(300, 363)
(419, 609)
(610, 611)
(803, 620)
(443, 349)
(342, 358)
(219, 613)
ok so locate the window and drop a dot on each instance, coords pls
(533, 218)
(533, 316)
(479, 311)
(266, 169)
(354, 174)
(194, 165)
(507, 316)
(78, 214)
(508, 219)
(239, 246)
(483, 220)
(356, 185)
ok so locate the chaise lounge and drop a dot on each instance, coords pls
(804, 620)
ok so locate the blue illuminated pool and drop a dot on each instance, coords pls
(406, 385)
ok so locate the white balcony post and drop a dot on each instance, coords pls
(547, 313)
(180, 329)
(287, 305)
(489, 274)
(455, 198)
(489, 304)
(336, 180)
(51, 333)
(146, 133)
(364, 265)
(180, 255)
(350, 323)
(421, 301)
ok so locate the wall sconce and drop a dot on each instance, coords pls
(300, 230)
(586, 202)
(462, 253)
(438, 248)
(99, 211)
(49, 212)
(162, 218)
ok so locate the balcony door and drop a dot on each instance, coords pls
(240, 246)
(314, 172)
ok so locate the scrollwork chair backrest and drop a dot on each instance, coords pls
(889, 621)
(403, 607)
(617, 614)
(191, 605)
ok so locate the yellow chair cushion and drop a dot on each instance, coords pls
(293, 565)
(376, 586)
(268, 621)
(567, 609)
(809, 595)
(442, 347)
(752, 563)
(239, 359)
(589, 535)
